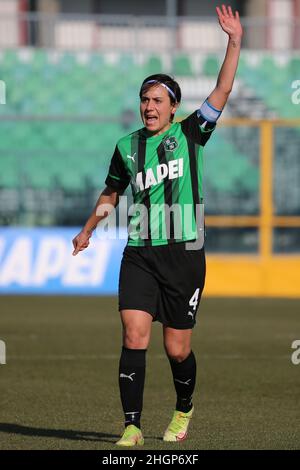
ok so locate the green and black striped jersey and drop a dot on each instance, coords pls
(165, 173)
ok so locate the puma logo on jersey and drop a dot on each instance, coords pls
(127, 376)
(191, 314)
(131, 157)
(172, 170)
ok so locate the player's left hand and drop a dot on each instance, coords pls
(229, 22)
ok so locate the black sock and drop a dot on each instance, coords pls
(131, 382)
(184, 376)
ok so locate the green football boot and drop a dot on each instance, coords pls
(132, 436)
(178, 427)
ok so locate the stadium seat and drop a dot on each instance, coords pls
(9, 176)
(294, 67)
(153, 65)
(211, 66)
(48, 85)
(39, 60)
(182, 66)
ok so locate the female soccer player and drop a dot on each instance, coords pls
(160, 279)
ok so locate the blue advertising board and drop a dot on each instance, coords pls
(40, 261)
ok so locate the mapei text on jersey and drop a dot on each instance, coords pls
(171, 170)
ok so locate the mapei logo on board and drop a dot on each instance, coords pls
(45, 261)
(2, 352)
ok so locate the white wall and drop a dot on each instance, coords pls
(9, 33)
(280, 35)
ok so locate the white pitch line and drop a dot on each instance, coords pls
(93, 357)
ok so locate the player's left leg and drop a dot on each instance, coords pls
(177, 344)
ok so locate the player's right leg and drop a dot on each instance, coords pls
(136, 337)
(138, 293)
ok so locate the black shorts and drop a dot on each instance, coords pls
(166, 281)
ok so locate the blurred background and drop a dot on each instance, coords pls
(70, 73)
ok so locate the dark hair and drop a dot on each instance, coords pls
(168, 81)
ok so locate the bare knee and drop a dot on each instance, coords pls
(177, 353)
(177, 343)
(136, 329)
(136, 338)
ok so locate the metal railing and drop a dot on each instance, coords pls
(138, 33)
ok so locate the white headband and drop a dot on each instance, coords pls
(163, 84)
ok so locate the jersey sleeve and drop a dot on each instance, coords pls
(200, 124)
(117, 177)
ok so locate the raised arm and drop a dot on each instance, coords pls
(231, 24)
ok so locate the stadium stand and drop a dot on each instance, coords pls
(65, 111)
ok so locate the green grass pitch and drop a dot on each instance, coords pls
(59, 387)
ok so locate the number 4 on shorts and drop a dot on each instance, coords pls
(194, 299)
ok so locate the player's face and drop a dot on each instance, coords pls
(156, 109)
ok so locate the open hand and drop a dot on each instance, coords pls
(229, 22)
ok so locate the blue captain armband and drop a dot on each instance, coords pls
(208, 112)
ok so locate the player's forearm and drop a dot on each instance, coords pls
(93, 220)
(228, 70)
(105, 204)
